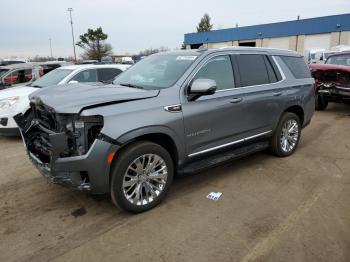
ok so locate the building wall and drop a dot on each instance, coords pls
(280, 42)
(319, 41)
(300, 43)
(218, 45)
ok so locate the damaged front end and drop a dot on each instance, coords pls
(333, 85)
(58, 144)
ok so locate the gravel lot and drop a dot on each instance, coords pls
(272, 209)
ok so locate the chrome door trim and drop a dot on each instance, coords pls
(229, 144)
(173, 108)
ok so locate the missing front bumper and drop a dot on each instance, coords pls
(335, 92)
(88, 172)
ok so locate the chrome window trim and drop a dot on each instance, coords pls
(229, 144)
(279, 69)
(238, 88)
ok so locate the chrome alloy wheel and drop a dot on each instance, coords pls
(289, 135)
(145, 179)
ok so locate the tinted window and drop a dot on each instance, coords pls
(50, 67)
(218, 69)
(252, 70)
(86, 76)
(297, 66)
(108, 74)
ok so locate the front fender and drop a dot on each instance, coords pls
(149, 130)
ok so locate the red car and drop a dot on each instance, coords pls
(332, 80)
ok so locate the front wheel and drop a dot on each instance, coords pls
(141, 177)
(286, 136)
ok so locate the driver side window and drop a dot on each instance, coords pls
(219, 69)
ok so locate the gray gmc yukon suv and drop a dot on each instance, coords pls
(171, 113)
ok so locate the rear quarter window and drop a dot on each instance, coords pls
(297, 66)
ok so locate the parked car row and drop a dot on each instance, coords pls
(171, 113)
(15, 100)
(24, 73)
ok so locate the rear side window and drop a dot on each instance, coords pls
(108, 74)
(253, 70)
(297, 66)
(86, 76)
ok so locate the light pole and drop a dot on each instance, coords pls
(50, 47)
(71, 24)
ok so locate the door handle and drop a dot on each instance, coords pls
(236, 100)
(277, 93)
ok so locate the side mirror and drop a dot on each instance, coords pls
(202, 87)
(73, 82)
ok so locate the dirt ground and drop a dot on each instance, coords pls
(272, 209)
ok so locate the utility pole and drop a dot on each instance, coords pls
(71, 24)
(50, 47)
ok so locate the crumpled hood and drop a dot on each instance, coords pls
(73, 98)
(331, 75)
(17, 91)
(326, 67)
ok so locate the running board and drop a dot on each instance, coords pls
(215, 160)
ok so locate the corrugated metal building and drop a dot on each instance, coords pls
(298, 35)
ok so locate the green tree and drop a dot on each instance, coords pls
(204, 25)
(94, 45)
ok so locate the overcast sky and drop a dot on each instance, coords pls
(26, 25)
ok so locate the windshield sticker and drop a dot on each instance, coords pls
(186, 58)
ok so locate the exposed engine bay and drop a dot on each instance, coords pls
(41, 127)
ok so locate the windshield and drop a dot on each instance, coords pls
(156, 71)
(3, 71)
(339, 60)
(51, 78)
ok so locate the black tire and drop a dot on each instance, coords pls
(275, 142)
(320, 103)
(120, 167)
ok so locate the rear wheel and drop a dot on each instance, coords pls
(287, 134)
(320, 102)
(141, 177)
